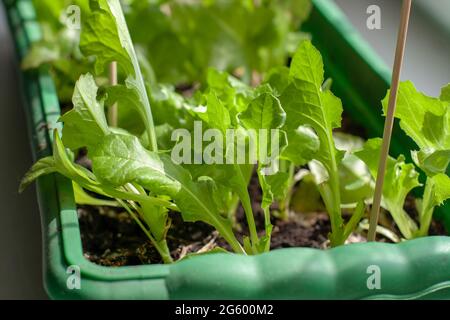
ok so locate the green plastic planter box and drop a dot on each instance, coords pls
(414, 269)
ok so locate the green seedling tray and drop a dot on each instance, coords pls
(413, 269)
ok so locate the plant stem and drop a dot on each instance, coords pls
(231, 239)
(250, 219)
(163, 250)
(268, 228)
(332, 198)
(231, 212)
(354, 220)
(246, 203)
(426, 212)
(286, 202)
(160, 246)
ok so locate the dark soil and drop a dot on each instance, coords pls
(111, 238)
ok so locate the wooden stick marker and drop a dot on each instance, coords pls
(112, 112)
(389, 122)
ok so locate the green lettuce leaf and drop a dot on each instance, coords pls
(303, 144)
(307, 104)
(400, 179)
(85, 125)
(121, 159)
(445, 93)
(426, 121)
(105, 35)
(264, 112)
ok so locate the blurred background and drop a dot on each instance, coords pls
(427, 57)
(426, 64)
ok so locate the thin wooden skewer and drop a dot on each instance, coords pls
(112, 112)
(389, 123)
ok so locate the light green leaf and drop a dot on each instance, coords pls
(129, 109)
(234, 94)
(85, 125)
(278, 79)
(307, 104)
(355, 178)
(437, 191)
(416, 112)
(264, 112)
(303, 144)
(100, 37)
(347, 142)
(39, 54)
(227, 35)
(83, 198)
(156, 217)
(441, 184)
(64, 165)
(274, 187)
(169, 107)
(43, 167)
(357, 215)
(121, 159)
(432, 162)
(106, 36)
(218, 115)
(306, 198)
(400, 179)
(426, 121)
(445, 93)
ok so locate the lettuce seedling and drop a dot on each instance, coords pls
(230, 104)
(427, 121)
(313, 112)
(400, 179)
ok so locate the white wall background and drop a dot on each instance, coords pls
(427, 57)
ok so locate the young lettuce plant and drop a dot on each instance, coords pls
(427, 121)
(312, 113)
(266, 117)
(400, 179)
(248, 114)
